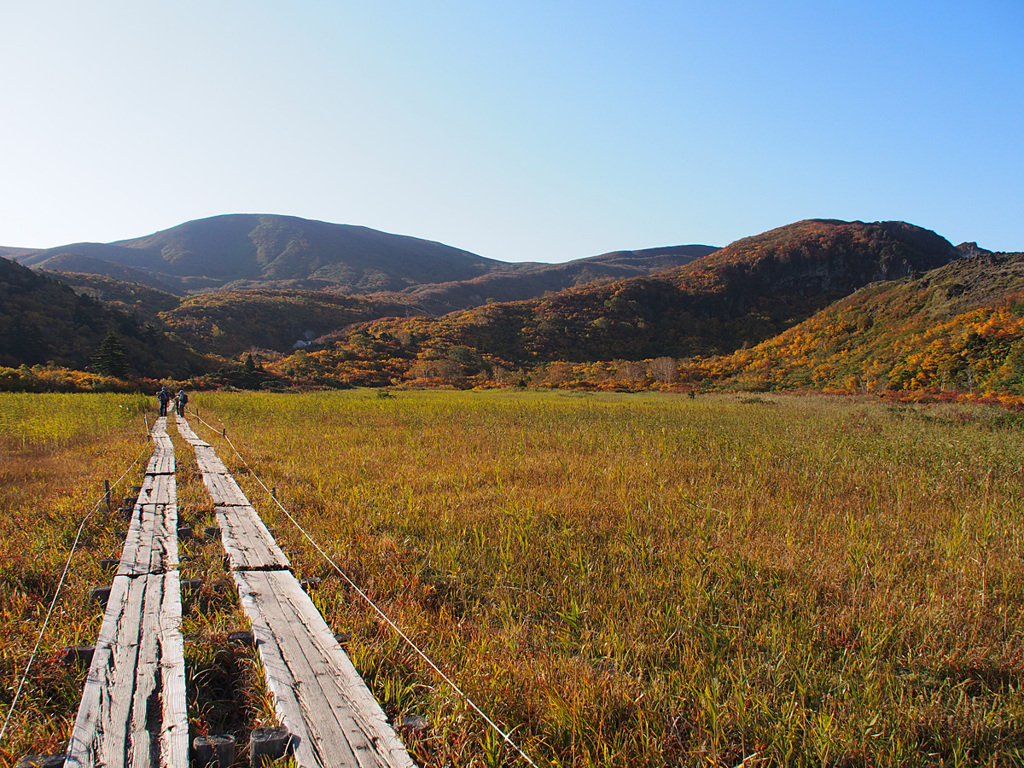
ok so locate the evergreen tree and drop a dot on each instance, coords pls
(111, 360)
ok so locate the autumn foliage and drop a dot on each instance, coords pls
(820, 304)
(950, 330)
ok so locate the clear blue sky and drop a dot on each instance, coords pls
(526, 130)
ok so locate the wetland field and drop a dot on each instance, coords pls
(616, 579)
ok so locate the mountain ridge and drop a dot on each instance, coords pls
(532, 280)
(270, 251)
(820, 303)
(738, 296)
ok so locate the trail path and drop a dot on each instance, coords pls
(319, 697)
(133, 710)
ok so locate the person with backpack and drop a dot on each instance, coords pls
(182, 401)
(164, 397)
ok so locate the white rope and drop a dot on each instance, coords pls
(60, 585)
(507, 738)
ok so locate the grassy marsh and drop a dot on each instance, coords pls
(55, 452)
(644, 579)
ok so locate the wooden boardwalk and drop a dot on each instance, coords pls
(133, 710)
(319, 697)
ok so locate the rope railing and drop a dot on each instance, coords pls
(506, 737)
(60, 586)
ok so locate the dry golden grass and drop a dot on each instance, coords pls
(637, 579)
(641, 580)
(55, 452)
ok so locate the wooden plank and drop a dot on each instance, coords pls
(152, 542)
(206, 454)
(133, 710)
(247, 542)
(139, 660)
(186, 431)
(218, 481)
(160, 465)
(318, 695)
(162, 461)
(222, 488)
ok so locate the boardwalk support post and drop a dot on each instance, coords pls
(78, 655)
(213, 751)
(267, 744)
(106, 494)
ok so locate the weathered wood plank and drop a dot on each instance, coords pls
(247, 542)
(151, 545)
(162, 461)
(133, 710)
(218, 481)
(209, 457)
(318, 694)
(138, 663)
(222, 488)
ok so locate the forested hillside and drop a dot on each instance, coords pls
(228, 323)
(738, 296)
(959, 327)
(44, 321)
(132, 298)
(818, 304)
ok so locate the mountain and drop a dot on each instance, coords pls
(226, 323)
(532, 280)
(738, 296)
(248, 251)
(257, 250)
(67, 263)
(43, 321)
(718, 305)
(958, 327)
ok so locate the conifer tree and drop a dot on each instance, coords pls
(111, 359)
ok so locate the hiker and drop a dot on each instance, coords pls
(164, 397)
(182, 401)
